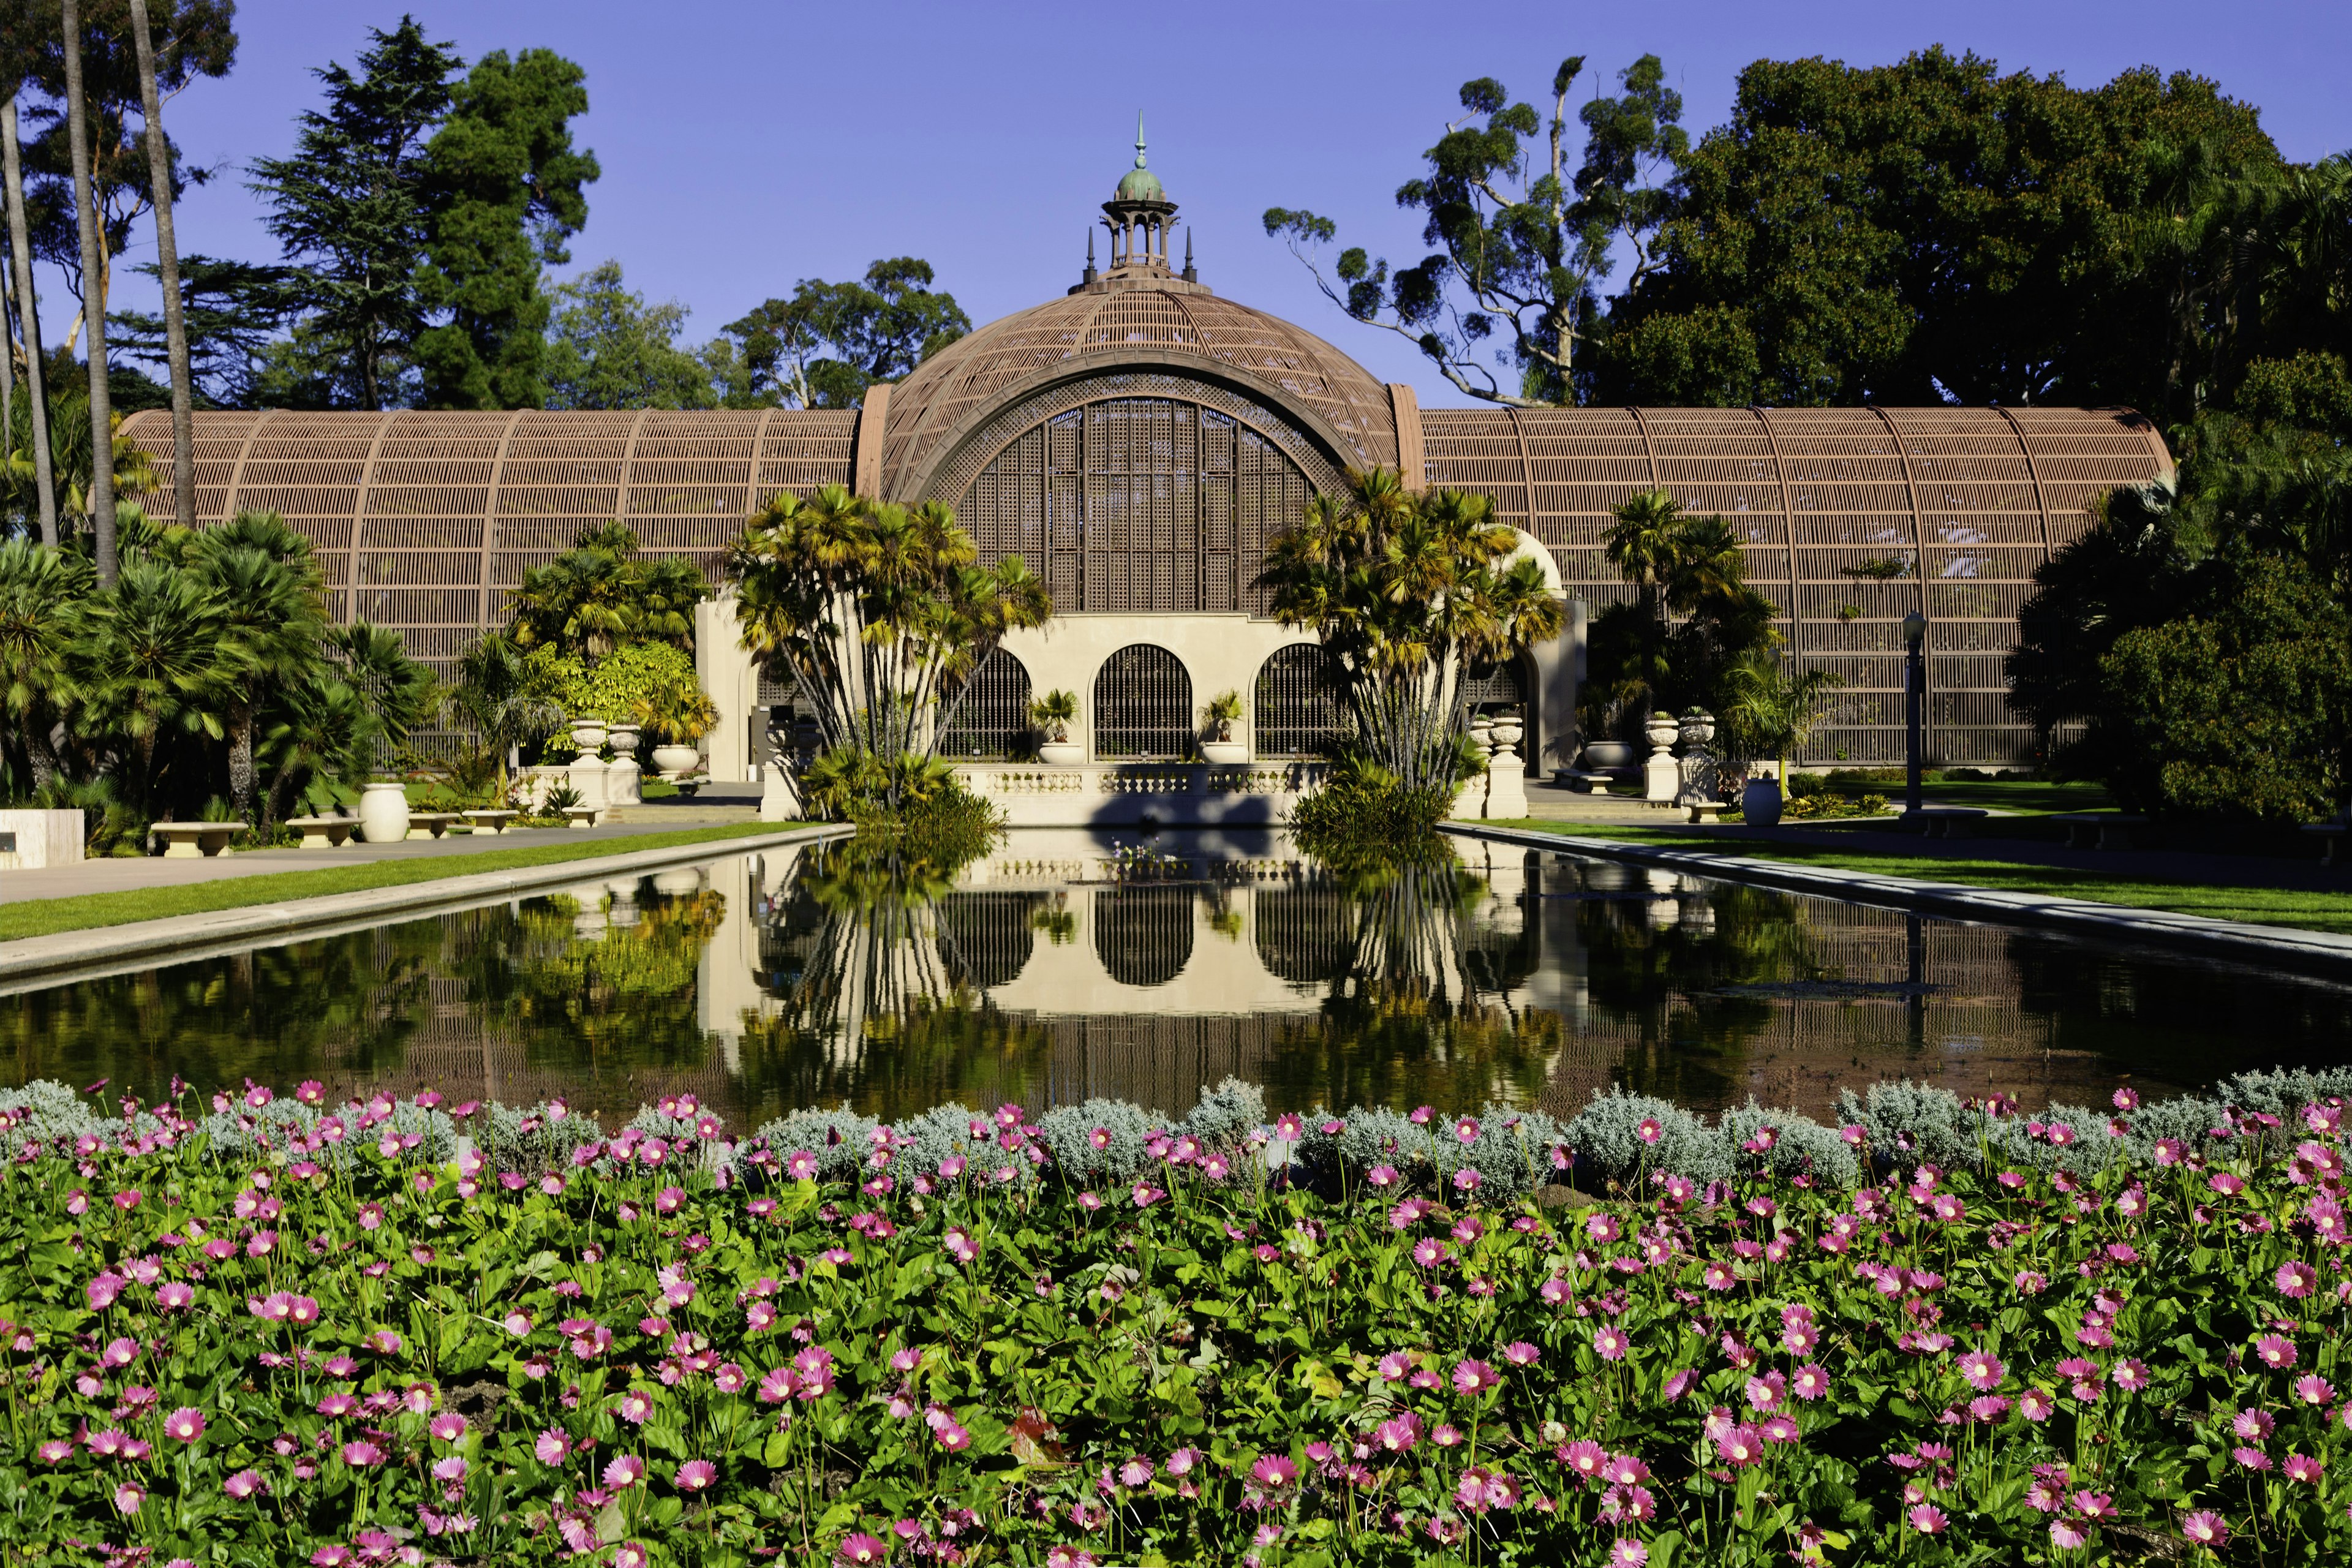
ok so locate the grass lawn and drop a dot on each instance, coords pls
(45, 917)
(2261, 906)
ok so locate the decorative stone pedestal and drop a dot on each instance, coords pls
(779, 801)
(1662, 776)
(587, 775)
(1698, 765)
(1506, 773)
(622, 774)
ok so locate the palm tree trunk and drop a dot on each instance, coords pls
(20, 257)
(241, 776)
(93, 272)
(167, 262)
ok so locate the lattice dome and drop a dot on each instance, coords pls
(1169, 325)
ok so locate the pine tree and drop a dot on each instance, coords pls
(505, 190)
(349, 209)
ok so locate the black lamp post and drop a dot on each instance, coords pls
(1915, 694)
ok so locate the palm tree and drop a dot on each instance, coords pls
(156, 658)
(1771, 709)
(494, 696)
(41, 593)
(268, 585)
(401, 694)
(328, 735)
(28, 319)
(93, 272)
(167, 260)
(1645, 544)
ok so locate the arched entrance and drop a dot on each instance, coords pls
(1143, 706)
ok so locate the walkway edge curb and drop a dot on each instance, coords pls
(31, 962)
(2320, 950)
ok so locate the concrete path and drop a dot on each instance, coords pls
(114, 876)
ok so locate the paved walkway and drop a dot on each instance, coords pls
(114, 876)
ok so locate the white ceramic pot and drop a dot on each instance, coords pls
(1225, 753)
(1760, 803)
(383, 812)
(1061, 753)
(672, 760)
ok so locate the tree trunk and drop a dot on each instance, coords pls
(93, 271)
(167, 260)
(241, 775)
(20, 257)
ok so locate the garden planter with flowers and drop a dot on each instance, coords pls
(288, 1332)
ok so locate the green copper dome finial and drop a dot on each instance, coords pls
(1141, 184)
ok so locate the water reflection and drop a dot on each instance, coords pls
(1066, 964)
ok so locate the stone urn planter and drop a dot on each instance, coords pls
(588, 734)
(1608, 756)
(383, 812)
(1760, 803)
(1061, 753)
(1225, 753)
(674, 761)
(621, 776)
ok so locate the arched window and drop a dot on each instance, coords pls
(992, 719)
(987, 938)
(1297, 711)
(1143, 935)
(1143, 706)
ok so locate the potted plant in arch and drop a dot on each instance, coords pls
(1773, 713)
(1222, 749)
(1055, 713)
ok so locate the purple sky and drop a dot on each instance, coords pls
(747, 145)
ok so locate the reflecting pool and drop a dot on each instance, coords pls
(1069, 964)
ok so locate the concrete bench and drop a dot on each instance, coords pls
(1947, 821)
(1582, 781)
(2331, 836)
(430, 824)
(323, 831)
(581, 815)
(188, 840)
(1708, 810)
(491, 821)
(2107, 829)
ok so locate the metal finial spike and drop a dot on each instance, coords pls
(1138, 139)
(1090, 247)
(1188, 246)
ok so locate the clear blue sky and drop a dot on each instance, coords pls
(745, 145)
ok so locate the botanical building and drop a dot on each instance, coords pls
(1139, 440)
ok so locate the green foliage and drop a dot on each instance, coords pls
(1900, 234)
(1363, 813)
(1056, 710)
(620, 688)
(1408, 593)
(1771, 711)
(601, 593)
(504, 188)
(1692, 621)
(612, 349)
(1520, 240)
(2242, 707)
(878, 613)
(827, 344)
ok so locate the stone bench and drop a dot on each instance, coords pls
(1706, 810)
(1947, 821)
(581, 815)
(323, 831)
(2107, 829)
(189, 840)
(2331, 835)
(1583, 781)
(491, 821)
(430, 824)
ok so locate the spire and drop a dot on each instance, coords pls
(1138, 139)
(1090, 274)
(1189, 275)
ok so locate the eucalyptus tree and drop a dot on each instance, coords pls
(1410, 592)
(42, 590)
(167, 272)
(93, 265)
(28, 318)
(881, 615)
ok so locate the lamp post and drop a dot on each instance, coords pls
(1915, 694)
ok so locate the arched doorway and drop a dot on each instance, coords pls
(1297, 712)
(992, 717)
(1143, 706)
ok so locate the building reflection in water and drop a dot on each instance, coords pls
(1068, 964)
